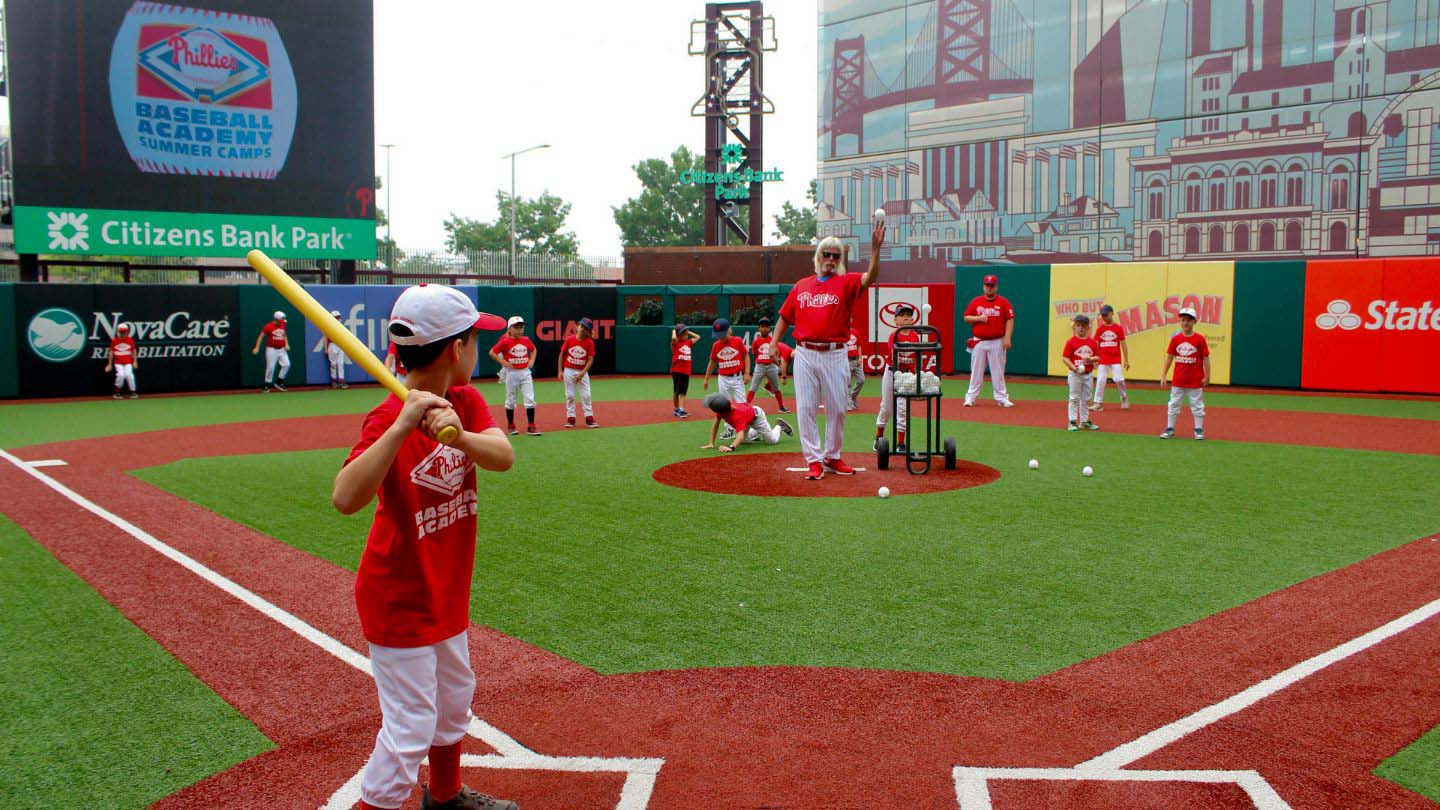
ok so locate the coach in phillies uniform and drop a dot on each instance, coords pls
(993, 320)
(819, 307)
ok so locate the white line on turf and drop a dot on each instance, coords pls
(807, 469)
(640, 773)
(47, 462)
(972, 785)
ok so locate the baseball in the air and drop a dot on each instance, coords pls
(1034, 463)
(883, 492)
(879, 214)
(925, 310)
(1088, 471)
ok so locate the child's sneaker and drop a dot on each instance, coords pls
(1098, 407)
(118, 395)
(785, 427)
(1199, 434)
(570, 422)
(1124, 403)
(590, 422)
(785, 410)
(1169, 433)
(264, 390)
(280, 386)
(344, 385)
(466, 799)
(1088, 425)
(513, 430)
(1073, 426)
(531, 430)
(134, 395)
(727, 433)
(683, 413)
(676, 413)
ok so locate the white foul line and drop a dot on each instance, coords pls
(1167, 734)
(973, 790)
(48, 462)
(641, 773)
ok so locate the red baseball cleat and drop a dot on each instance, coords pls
(838, 467)
(590, 422)
(570, 422)
(817, 471)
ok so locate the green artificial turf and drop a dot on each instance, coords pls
(24, 424)
(1417, 766)
(581, 552)
(93, 713)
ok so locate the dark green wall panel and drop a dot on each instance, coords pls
(1268, 323)
(1027, 287)
(9, 384)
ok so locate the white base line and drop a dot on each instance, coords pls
(807, 469)
(49, 462)
(1165, 735)
(973, 791)
(642, 772)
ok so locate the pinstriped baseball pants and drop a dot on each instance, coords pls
(821, 378)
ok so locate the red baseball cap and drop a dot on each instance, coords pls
(990, 280)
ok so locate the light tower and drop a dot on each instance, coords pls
(735, 37)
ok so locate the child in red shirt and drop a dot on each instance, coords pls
(1191, 356)
(515, 354)
(413, 586)
(124, 358)
(1080, 356)
(746, 422)
(908, 363)
(577, 355)
(767, 369)
(682, 362)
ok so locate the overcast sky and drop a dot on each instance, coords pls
(460, 83)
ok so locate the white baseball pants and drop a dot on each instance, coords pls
(337, 363)
(274, 357)
(732, 386)
(821, 377)
(1116, 372)
(761, 431)
(521, 381)
(577, 385)
(988, 353)
(124, 373)
(902, 411)
(1197, 406)
(1082, 389)
(425, 695)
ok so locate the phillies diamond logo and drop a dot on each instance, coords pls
(202, 64)
(442, 471)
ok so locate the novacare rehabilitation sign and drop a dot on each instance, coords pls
(161, 233)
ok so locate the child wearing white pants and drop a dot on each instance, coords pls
(1190, 354)
(1079, 357)
(749, 420)
(336, 356)
(577, 355)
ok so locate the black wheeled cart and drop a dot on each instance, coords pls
(922, 439)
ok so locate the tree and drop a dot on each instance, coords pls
(537, 228)
(667, 212)
(797, 225)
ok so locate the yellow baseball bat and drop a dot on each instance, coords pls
(335, 331)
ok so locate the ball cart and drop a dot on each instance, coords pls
(922, 439)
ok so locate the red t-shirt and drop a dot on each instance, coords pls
(785, 351)
(740, 416)
(518, 352)
(413, 587)
(1083, 352)
(122, 351)
(577, 352)
(1189, 352)
(908, 359)
(274, 334)
(682, 354)
(729, 356)
(1108, 336)
(852, 346)
(399, 366)
(999, 311)
(760, 350)
(820, 310)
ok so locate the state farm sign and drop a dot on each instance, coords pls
(1372, 325)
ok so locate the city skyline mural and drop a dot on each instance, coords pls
(1041, 131)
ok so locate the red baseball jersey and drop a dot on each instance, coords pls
(122, 351)
(760, 350)
(518, 352)
(274, 334)
(413, 587)
(682, 355)
(399, 366)
(998, 309)
(1189, 351)
(729, 355)
(577, 352)
(740, 416)
(820, 307)
(852, 346)
(1083, 352)
(908, 360)
(1108, 336)
(785, 351)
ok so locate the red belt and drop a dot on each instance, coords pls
(821, 347)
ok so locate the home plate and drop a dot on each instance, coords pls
(807, 469)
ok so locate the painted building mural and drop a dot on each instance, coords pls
(1036, 131)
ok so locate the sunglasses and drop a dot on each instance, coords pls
(830, 254)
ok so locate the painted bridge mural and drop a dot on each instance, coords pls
(1034, 131)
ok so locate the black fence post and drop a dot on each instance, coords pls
(29, 267)
(345, 274)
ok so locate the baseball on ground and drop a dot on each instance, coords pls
(883, 492)
(1034, 463)
(1088, 471)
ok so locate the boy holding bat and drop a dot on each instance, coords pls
(413, 586)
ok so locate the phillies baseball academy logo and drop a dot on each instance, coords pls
(1185, 353)
(442, 471)
(205, 92)
(1384, 315)
(817, 300)
(519, 354)
(728, 353)
(578, 354)
(685, 351)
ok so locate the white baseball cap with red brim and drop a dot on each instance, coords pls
(431, 312)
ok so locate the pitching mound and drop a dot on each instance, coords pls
(769, 474)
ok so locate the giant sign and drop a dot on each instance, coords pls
(199, 130)
(1372, 325)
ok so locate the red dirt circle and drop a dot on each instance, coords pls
(767, 474)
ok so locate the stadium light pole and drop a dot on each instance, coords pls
(389, 212)
(511, 158)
